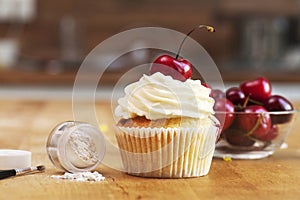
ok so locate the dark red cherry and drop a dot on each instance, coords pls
(258, 89)
(217, 94)
(224, 112)
(255, 121)
(279, 103)
(272, 134)
(236, 96)
(237, 137)
(179, 69)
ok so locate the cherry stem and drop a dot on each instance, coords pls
(256, 102)
(258, 122)
(246, 102)
(248, 99)
(209, 29)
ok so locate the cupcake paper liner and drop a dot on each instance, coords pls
(167, 152)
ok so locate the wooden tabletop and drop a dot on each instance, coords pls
(27, 124)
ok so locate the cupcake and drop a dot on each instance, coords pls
(166, 128)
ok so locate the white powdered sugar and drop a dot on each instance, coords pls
(81, 176)
(81, 150)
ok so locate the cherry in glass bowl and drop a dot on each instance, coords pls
(253, 135)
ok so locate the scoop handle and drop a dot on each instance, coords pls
(7, 173)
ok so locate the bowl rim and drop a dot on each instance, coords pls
(295, 111)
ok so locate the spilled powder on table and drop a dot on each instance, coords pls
(81, 176)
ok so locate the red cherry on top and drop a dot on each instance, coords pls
(258, 89)
(179, 69)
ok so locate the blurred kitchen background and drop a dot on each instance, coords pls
(43, 42)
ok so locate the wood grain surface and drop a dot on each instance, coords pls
(27, 124)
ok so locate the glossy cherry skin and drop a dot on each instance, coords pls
(237, 137)
(217, 94)
(279, 103)
(236, 96)
(256, 119)
(272, 134)
(258, 89)
(224, 112)
(179, 69)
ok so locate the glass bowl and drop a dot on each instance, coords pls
(253, 135)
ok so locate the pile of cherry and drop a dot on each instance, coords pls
(244, 112)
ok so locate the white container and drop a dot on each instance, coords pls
(76, 146)
(13, 159)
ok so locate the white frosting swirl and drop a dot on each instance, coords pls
(158, 96)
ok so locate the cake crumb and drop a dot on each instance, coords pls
(227, 158)
(81, 176)
(103, 128)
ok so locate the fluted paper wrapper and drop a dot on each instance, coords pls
(167, 152)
